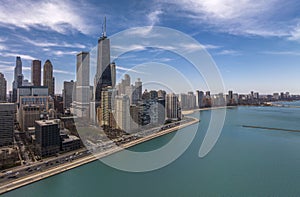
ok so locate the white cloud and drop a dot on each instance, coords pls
(26, 57)
(63, 72)
(128, 48)
(60, 16)
(228, 52)
(295, 34)
(153, 17)
(2, 39)
(6, 62)
(63, 53)
(26, 68)
(128, 69)
(40, 43)
(244, 17)
(2, 47)
(293, 53)
(6, 68)
(210, 46)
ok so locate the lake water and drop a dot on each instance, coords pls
(244, 162)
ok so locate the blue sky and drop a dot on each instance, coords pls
(255, 44)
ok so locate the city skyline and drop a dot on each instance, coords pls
(249, 56)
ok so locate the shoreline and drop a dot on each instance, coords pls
(191, 111)
(17, 183)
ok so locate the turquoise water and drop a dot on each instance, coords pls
(244, 162)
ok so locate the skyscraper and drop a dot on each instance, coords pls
(17, 74)
(36, 72)
(103, 76)
(3, 89)
(48, 77)
(172, 107)
(106, 71)
(68, 93)
(81, 103)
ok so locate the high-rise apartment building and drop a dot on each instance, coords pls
(173, 110)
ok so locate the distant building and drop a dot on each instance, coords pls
(31, 91)
(26, 83)
(153, 95)
(200, 99)
(137, 93)
(276, 96)
(146, 95)
(129, 92)
(187, 101)
(173, 110)
(36, 72)
(47, 134)
(58, 104)
(161, 111)
(17, 74)
(29, 114)
(7, 117)
(191, 100)
(105, 117)
(122, 112)
(3, 88)
(161, 94)
(68, 93)
(48, 77)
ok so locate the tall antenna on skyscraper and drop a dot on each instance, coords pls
(104, 32)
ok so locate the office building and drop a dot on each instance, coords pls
(106, 71)
(29, 114)
(122, 112)
(48, 77)
(3, 88)
(81, 102)
(47, 134)
(36, 72)
(17, 74)
(103, 76)
(68, 93)
(7, 117)
(105, 116)
(31, 91)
